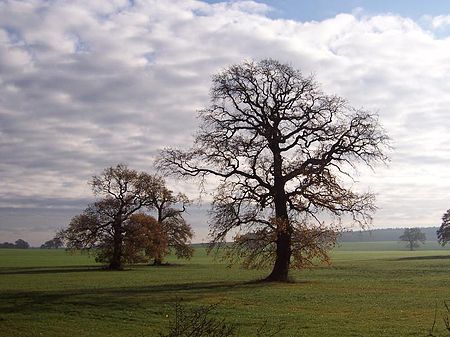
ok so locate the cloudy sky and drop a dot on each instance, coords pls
(88, 84)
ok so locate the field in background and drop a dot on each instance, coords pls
(387, 246)
(372, 289)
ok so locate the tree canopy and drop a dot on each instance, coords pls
(19, 244)
(443, 232)
(103, 224)
(169, 213)
(282, 150)
(118, 228)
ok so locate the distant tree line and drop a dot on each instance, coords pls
(19, 244)
(384, 234)
(53, 243)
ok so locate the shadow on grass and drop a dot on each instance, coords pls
(74, 269)
(28, 302)
(429, 257)
(98, 299)
(49, 270)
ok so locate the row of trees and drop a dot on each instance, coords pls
(54, 243)
(18, 244)
(135, 218)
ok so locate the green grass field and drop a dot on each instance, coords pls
(372, 289)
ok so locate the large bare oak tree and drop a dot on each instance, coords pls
(282, 150)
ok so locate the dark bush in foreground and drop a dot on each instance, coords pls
(200, 322)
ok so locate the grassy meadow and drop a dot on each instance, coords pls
(372, 289)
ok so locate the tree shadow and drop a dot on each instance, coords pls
(97, 300)
(28, 302)
(265, 282)
(50, 270)
(429, 257)
(75, 269)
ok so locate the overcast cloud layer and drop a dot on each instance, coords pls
(88, 84)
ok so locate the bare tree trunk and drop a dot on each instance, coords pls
(283, 253)
(157, 261)
(116, 261)
(411, 245)
(281, 267)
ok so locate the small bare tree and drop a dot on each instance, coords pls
(413, 237)
(282, 150)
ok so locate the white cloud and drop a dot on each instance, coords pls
(440, 21)
(87, 84)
